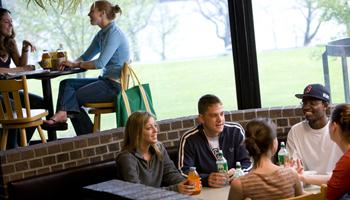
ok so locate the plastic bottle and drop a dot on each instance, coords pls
(221, 163)
(283, 155)
(194, 179)
(238, 171)
(60, 55)
(46, 60)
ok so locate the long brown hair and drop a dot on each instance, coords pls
(133, 132)
(110, 10)
(341, 116)
(6, 42)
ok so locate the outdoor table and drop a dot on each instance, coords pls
(45, 76)
(117, 189)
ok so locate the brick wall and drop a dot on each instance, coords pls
(63, 154)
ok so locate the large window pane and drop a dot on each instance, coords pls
(180, 47)
(287, 61)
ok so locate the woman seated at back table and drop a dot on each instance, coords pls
(338, 184)
(144, 160)
(266, 180)
(9, 51)
(113, 48)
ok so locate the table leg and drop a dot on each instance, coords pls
(46, 85)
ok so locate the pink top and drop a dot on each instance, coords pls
(277, 185)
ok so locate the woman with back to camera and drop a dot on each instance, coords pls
(9, 52)
(266, 180)
(339, 184)
(113, 48)
(144, 160)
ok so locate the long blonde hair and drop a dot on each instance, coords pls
(133, 132)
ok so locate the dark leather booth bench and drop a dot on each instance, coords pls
(68, 184)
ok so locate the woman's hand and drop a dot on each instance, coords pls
(68, 64)
(184, 188)
(26, 44)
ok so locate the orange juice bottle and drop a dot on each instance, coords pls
(46, 60)
(194, 179)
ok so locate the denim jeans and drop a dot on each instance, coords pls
(73, 93)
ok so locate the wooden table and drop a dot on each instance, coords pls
(209, 193)
(117, 189)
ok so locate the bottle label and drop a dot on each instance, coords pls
(222, 167)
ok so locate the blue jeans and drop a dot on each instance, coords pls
(73, 93)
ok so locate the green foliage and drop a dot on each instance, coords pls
(338, 10)
(58, 4)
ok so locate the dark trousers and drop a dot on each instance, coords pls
(36, 102)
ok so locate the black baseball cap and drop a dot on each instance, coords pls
(317, 91)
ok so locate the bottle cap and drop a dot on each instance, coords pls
(192, 168)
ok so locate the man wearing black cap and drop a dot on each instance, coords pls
(309, 140)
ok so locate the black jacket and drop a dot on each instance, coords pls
(195, 151)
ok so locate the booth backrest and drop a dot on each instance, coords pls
(62, 185)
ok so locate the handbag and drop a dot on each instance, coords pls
(136, 98)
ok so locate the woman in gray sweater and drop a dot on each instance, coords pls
(144, 160)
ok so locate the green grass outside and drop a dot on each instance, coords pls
(177, 85)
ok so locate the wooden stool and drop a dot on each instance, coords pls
(97, 109)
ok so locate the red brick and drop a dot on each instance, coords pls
(41, 171)
(68, 146)
(89, 152)
(36, 163)
(106, 138)
(249, 114)
(93, 141)
(8, 169)
(13, 157)
(49, 160)
(164, 127)
(176, 125)
(101, 150)
(75, 154)
(27, 154)
(237, 116)
(56, 168)
(41, 151)
(173, 135)
(188, 123)
(80, 143)
(21, 166)
(54, 149)
(62, 157)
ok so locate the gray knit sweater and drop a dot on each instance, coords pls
(157, 173)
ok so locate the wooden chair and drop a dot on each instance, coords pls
(13, 115)
(316, 196)
(106, 107)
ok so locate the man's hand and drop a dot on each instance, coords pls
(230, 174)
(217, 180)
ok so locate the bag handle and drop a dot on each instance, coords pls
(126, 72)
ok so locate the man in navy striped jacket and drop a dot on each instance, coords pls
(200, 145)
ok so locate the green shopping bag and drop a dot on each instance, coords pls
(137, 98)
